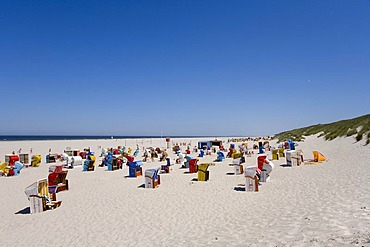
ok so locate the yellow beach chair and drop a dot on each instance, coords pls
(275, 154)
(317, 158)
(236, 155)
(203, 174)
(36, 160)
(4, 169)
(92, 163)
(281, 152)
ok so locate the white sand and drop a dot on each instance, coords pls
(310, 205)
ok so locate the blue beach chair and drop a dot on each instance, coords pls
(220, 157)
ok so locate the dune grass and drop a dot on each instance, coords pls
(358, 127)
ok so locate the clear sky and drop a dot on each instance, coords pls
(248, 67)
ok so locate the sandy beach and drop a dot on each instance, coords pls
(310, 205)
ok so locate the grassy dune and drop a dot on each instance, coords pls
(358, 127)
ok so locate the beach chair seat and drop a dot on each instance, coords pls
(115, 165)
(166, 168)
(53, 204)
(50, 158)
(62, 181)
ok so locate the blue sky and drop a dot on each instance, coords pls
(253, 67)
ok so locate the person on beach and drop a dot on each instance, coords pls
(163, 156)
(72, 163)
(146, 155)
(152, 155)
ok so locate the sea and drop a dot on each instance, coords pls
(74, 137)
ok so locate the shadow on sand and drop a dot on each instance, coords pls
(239, 188)
(141, 186)
(285, 165)
(26, 210)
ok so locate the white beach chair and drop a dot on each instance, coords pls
(251, 183)
(152, 177)
(265, 173)
(293, 158)
(238, 168)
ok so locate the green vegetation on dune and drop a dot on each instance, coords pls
(360, 127)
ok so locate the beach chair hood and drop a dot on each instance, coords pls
(250, 171)
(268, 167)
(220, 154)
(188, 158)
(152, 172)
(55, 169)
(262, 160)
(135, 164)
(17, 168)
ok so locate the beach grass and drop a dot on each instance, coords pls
(358, 127)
